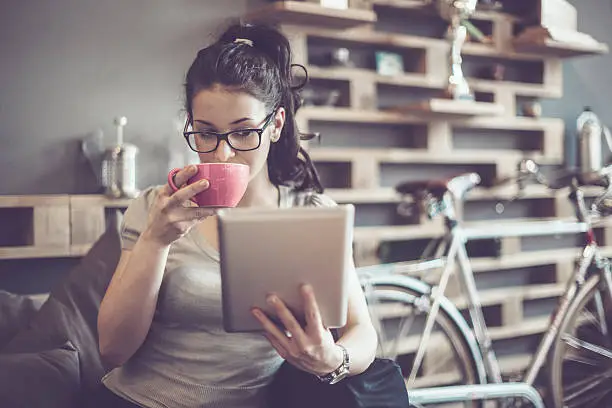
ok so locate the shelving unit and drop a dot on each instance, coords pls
(384, 129)
(52, 226)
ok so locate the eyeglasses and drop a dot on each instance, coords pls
(242, 139)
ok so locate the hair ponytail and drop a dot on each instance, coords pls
(257, 59)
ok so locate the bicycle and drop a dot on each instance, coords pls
(417, 317)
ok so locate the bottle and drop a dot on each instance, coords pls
(590, 132)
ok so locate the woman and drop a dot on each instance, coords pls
(160, 322)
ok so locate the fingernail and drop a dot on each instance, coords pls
(272, 299)
(256, 312)
(203, 182)
(307, 288)
(192, 168)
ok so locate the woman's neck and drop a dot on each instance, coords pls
(261, 192)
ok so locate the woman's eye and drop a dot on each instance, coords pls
(243, 133)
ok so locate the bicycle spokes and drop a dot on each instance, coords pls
(587, 359)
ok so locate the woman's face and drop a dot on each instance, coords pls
(218, 111)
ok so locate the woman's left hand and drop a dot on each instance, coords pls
(310, 348)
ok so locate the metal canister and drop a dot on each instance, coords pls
(589, 141)
(119, 166)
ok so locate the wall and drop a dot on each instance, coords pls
(586, 80)
(70, 66)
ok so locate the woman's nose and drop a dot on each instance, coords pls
(224, 151)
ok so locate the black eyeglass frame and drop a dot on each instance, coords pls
(225, 136)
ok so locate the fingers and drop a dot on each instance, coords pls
(184, 175)
(186, 193)
(193, 213)
(280, 349)
(272, 330)
(314, 323)
(288, 320)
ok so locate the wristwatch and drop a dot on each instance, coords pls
(339, 373)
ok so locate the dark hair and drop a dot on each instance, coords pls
(261, 67)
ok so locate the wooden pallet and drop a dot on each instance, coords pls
(53, 226)
(431, 128)
(34, 226)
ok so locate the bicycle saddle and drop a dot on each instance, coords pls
(571, 177)
(458, 185)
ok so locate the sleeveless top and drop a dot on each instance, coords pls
(187, 359)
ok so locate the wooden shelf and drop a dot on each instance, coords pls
(14, 201)
(551, 48)
(441, 106)
(33, 252)
(348, 115)
(430, 229)
(367, 36)
(388, 194)
(310, 14)
(422, 81)
(528, 327)
(412, 80)
(423, 7)
(421, 156)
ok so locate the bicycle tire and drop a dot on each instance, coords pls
(408, 291)
(570, 385)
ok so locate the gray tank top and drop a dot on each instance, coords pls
(187, 359)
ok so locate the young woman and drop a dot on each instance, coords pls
(160, 322)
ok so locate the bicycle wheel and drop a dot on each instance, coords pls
(399, 313)
(581, 360)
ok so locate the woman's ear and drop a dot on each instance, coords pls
(279, 122)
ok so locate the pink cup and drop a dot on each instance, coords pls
(228, 182)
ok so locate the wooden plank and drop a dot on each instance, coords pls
(13, 201)
(441, 106)
(304, 13)
(388, 195)
(413, 80)
(362, 93)
(365, 171)
(506, 98)
(52, 226)
(420, 6)
(439, 137)
(551, 48)
(553, 77)
(32, 252)
(434, 79)
(518, 88)
(345, 115)
(487, 156)
(512, 312)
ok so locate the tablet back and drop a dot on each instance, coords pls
(275, 251)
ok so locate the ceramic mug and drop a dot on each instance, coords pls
(227, 183)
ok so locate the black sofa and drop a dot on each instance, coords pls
(49, 353)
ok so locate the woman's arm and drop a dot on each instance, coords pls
(358, 336)
(126, 312)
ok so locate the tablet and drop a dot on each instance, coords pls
(265, 251)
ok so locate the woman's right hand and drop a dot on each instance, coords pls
(173, 213)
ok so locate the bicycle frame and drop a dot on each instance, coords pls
(453, 244)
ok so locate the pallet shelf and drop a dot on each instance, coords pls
(53, 226)
(33, 226)
(503, 23)
(299, 12)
